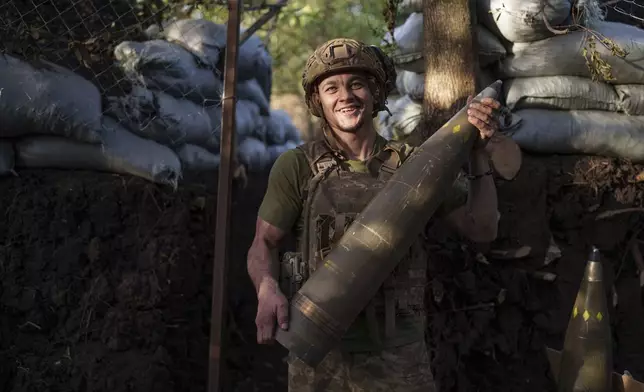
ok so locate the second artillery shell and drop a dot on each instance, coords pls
(587, 358)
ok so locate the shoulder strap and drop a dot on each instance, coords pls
(389, 159)
(403, 149)
(319, 156)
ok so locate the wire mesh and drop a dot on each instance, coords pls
(625, 11)
(141, 63)
(82, 35)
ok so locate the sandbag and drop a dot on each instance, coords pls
(194, 157)
(153, 32)
(250, 90)
(207, 40)
(408, 40)
(280, 128)
(254, 155)
(490, 48)
(275, 151)
(408, 53)
(405, 116)
(167, 67)
(214, 114)
(160, 117)
(631, 98)
(560, 92)
(411, 6)
(7, 158)
(411, 83)
(122, 152)
(40, 97)
(381, 123)
(255, 62)
(522, 20)
(247, 118)
(580, 132)
(563, 55)
(248, 122)
(382, 126)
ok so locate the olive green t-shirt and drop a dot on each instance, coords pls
(282, 207)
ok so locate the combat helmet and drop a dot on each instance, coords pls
(346, 55)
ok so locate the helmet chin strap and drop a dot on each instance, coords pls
(385, 108)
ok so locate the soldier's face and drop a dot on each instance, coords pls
(346, 101)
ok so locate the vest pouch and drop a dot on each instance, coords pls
(293, 273)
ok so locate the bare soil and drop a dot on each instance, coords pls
(105, 282)
(501, 348)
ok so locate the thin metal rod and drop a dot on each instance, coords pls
(262, 21)
(220, 263)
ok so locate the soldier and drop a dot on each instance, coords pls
(316, 189)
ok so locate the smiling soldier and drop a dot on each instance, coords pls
(318, 188)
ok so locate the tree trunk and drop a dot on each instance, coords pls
(450, 63)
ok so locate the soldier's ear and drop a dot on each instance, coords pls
(316, 104)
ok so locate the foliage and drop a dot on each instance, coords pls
(302, 25)
(600, 70)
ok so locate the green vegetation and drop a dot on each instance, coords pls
(302, 25)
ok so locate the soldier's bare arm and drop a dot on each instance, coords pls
(272, 305)
(259, 260)
(280, 209)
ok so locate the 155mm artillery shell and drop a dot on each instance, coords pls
(372, 246)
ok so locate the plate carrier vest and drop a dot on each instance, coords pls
(333, 199)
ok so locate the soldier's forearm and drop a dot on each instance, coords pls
(261, 267)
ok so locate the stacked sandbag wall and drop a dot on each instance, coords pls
(169, 120)
(405, 106)
(574, 85)
(579, 92)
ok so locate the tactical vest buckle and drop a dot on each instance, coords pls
(387, 169)
(293, 273)
(325, 164)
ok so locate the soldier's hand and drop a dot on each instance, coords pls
(272, 306)
(483, 115)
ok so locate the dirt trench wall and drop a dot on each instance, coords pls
(105, 282)
(501, 348)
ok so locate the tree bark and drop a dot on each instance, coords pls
(450, 63)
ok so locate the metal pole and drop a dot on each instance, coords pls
(220, 263)
(262, 21)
